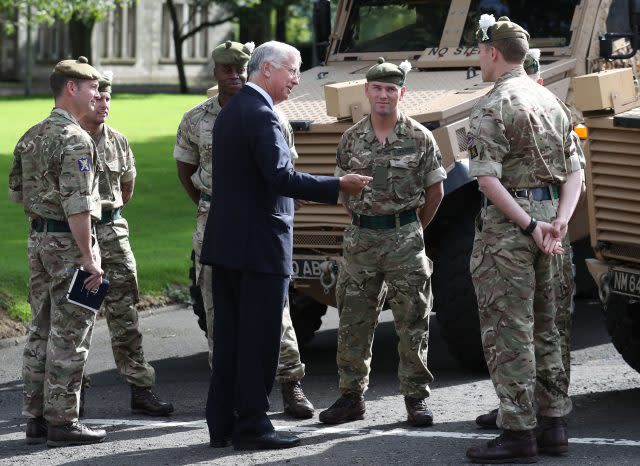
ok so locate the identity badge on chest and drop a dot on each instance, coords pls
(380, 173)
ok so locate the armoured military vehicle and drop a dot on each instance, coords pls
(437, 37)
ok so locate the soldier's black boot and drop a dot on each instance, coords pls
(73, 434)
(349, 407)
(418, 413)
(512, 446)
(552, 435)
(489, 420)
(145, 401)
(36, 430)
(295, 402)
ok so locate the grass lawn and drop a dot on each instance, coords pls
(161, 217)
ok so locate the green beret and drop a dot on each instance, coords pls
(388, 72)
(532, 61)
(490, 30)
(77, 69)
(104, 83)
(232, 53)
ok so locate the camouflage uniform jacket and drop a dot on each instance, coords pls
(402, 168)
(520, 133)
(194, 141)
(116, 165)
(53, 172)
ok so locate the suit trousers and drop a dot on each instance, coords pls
(247, 337)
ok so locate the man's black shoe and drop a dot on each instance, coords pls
(219, 442)
(418, 413)
(295, 402)
(513, 446)
(73, 434)
(145, 401)
(489, 420)
(36, 430)
(551, 434)
(269, 441)
(349, 407)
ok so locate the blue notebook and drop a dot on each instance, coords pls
(83, 297)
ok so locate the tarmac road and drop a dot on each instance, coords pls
(603, 426)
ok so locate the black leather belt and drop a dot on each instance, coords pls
(110, 215)
(205, 197)
(41, 225)
(543, 193)
(384, 222)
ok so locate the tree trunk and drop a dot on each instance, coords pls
(281, 22)
(80, 38)
(177, 46)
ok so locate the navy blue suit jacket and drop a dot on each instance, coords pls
(250, 224)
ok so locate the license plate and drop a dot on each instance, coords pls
(307, 268)
(625, 282)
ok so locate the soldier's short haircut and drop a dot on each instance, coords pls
(59, 81)
(272, 51)
(513, 49)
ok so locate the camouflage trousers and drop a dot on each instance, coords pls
(60, 332)
(375, 262)
(290, 367)
(513, 280)
(118, 308)
(565, 288)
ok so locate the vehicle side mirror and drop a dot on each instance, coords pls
(607, 40)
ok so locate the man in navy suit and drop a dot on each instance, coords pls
(248, 241)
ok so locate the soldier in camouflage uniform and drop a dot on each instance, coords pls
(53, 176)
(116, 174)
(193, 153)
(522, 152)
(385, 245)
(564, 284)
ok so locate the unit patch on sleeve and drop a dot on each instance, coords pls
(84, 165)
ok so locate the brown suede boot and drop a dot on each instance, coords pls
(349, 407)
(512, 446)
(488, 420)
(295, 402)
(552, 435)
(418, 413)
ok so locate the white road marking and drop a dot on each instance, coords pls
(139, 424)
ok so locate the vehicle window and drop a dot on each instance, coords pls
(618, 19)
(547, 22)
(382, 25)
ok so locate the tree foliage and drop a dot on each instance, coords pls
(35, 12)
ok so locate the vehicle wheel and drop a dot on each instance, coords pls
(623, 324)
(196, 296)
(449, 241)
(306, 314)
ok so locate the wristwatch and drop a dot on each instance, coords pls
(532, 226)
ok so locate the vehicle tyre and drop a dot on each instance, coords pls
(306, 314)
(449, 242)
(623, 324)
(196, 296)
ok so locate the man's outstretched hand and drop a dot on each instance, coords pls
(352, 184)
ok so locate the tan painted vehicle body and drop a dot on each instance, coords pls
(613, 187)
